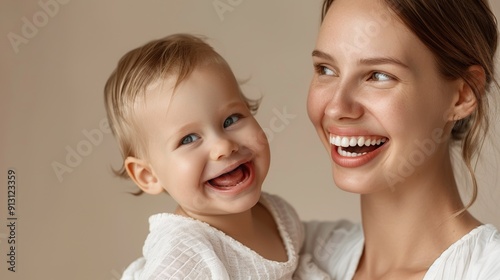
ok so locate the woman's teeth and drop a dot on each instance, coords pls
(357, 145)
(355, 141)
(349, 154)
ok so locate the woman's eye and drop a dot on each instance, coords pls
(323, 70)
(231, 120)
(189, 139)
(380, 77)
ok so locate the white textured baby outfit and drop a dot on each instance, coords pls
(179, 247)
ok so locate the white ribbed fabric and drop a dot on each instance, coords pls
(183, 248)
(336, 247)
(474, 256)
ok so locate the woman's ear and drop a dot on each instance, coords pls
(466, 100)
(143, 175)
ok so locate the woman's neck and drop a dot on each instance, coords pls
(408, 227)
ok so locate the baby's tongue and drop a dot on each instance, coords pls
(229, 179)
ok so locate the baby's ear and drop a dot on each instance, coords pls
(143, 175)
(466, 100)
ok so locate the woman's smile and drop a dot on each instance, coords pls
(356, 146)
(355, 151)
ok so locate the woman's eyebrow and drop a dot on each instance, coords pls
(365, 61)
(323, 55)
(382, 60)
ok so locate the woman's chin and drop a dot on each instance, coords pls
(358, 185)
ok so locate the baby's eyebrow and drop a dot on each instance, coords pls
(182, 130)
(236, 103)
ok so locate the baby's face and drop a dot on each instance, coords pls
(204, 145)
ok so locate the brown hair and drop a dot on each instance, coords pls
(460, 34)
(140, 68)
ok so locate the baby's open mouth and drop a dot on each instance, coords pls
(231, 178)
(356, 146)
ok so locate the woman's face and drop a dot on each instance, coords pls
(377, 100)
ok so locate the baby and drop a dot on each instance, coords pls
(184, 127)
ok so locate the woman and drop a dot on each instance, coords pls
(396, 83)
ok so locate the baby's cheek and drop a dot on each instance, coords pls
(258, 143)
(257, 138)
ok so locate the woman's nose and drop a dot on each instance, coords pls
(223, 147)
(343, 104)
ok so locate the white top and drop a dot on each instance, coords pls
(336, 248)
(179, 247)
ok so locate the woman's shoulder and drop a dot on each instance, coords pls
(478, 245)
(488, 253)
(474, 256)
(487, 240)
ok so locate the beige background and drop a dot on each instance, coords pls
(86, 226)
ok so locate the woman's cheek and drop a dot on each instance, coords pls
(314, 107)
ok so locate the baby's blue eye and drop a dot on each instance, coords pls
(381, 77)
(231, 120)
(189, 139)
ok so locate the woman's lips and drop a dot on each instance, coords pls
(354, 151)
